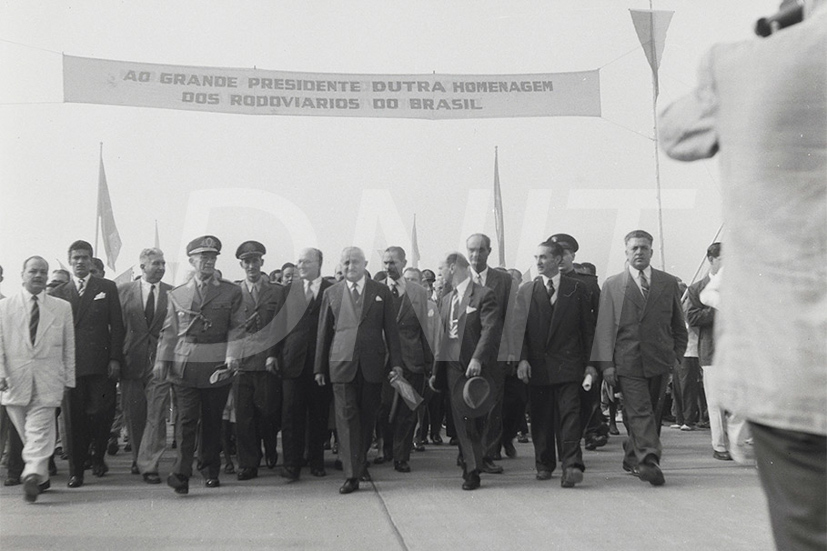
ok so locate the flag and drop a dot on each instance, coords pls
(125, 277)
(498, 211)
(651, 26)
(111, 238)
(157, 239)
(414, 246)
(63, 266)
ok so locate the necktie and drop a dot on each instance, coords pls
(308, 291)
(149, 309)
(355, 292)
(254, 293)
(478, 279)
(81, 286)
(644, 285)
(35, 318)
(551, 292)
(395, 289)
(453, 330)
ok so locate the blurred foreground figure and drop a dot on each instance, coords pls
(762, 104)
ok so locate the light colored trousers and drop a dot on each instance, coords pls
(730, 431)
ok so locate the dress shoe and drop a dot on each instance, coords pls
(100, 469)
(350, 485)
(178, 482)
(571, 476)
(453, 441)
(687, 428)
(650, 472)
(112, 446)
(613, 429)
(436, 439)
(290, 473)
(543, 475)
(152, 478)
(247, 474)
(489, 467)
(318, 472)
(12, 481)
(401, 466)
(472, 481)
(52, 466)
(510, 450)
(43, 486)
(75, 481)
(272, 461)
(212, 483)
(675, 426)
(631, 469)
(596, 441)
(31, 487)
(229, 468)
(365, 477)
(723, 456)
(134, 469)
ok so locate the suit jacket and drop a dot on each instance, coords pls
(557, 344)
(412, 321)
(640, 338)
(141, 340)
(701, 316)
(478, 327)
(346, 343)
(299, 328)
(99, 330)
(500, 284)
(258, 343)
(197, 338)
(45, 368)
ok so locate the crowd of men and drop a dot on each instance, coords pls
(388, 358)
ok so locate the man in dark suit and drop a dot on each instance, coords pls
(479, 248)
(357, 329)
(410, 302)
(305, 405)
(470, 333)
(199, 349)
(257, 388)
(99, 337)
(640, 337)
(144, 306)
(554, 319)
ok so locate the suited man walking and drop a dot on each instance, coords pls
(257, 388)
(357, 329)
(99, 338)
(144, 306)
(199, 350)
(467, 347)
(37, 361)
(305, 405)
(557, 331)
(640, 337)
(479, 248)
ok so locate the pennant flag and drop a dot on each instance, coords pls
(498, 211)
(111, 238)
(125, 277)
(414, 246)
(63, 266)
(651, 26)
(157, 239)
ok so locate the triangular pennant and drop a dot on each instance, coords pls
(651, 26)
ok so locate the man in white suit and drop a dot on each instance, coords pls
(37, 361)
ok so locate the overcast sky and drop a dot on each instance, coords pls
(240, 177)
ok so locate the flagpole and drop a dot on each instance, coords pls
(701, 265)
(655, 90)
(98, 207)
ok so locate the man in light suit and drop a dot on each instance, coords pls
(99, 336)
(479, 248)
(37, 362)
(357, 334)
(410, 302)
(467, 345)
(555, 331)
(257, 388)
(640, 337)
(306, 405)
(144, 306)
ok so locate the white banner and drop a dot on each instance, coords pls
(259, 92)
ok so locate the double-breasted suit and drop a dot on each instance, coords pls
(355, 340)
(36, 373)
(139, 348)
(99, 338)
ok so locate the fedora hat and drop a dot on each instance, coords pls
(473, 397)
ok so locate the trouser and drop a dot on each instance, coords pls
(793, 470)
(592, 420)
(404, 421)
(206, 405)
(469, 430)
(36, 425)
(14, 461)
(356, 405)
(728, 430)
(493, 432)
(90, 408)
(153, 442)
(515, 397)
(134, 403)
(305, 410)
(257, 397)
(685, 391)
(555, 415)
(643, 402)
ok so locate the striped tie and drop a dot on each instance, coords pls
(644, 285)
(81, 286)
(453, 329)
(35, 318)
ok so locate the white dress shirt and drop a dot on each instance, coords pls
(556, 281)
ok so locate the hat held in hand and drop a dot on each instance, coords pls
(473, 396)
